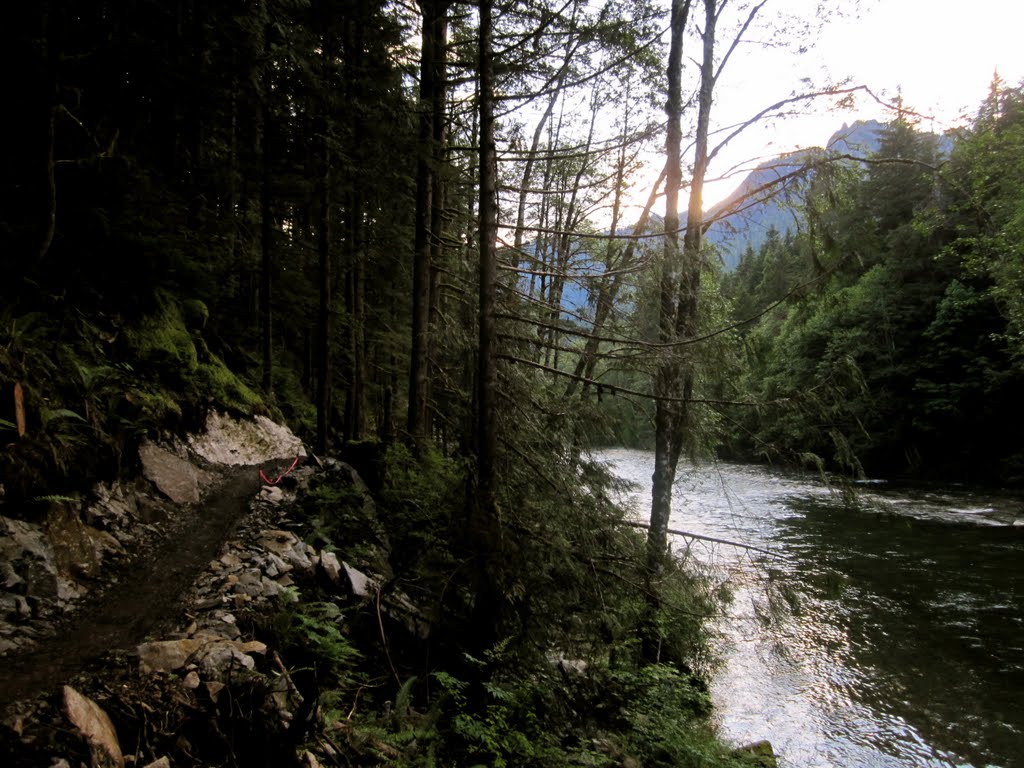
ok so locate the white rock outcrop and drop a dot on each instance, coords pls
(229, 441)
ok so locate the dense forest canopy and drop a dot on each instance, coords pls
(891, 342)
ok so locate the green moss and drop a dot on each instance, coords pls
(162, 342)
(153, 407)
(181, 362)
(215, 382)
(293, 401)
(195, 313)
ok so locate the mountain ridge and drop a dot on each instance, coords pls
(769, 197)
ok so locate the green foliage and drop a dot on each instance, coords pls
(902, 361)
(341, 514)
(507, 730)
(162, 344)
(217, 384)
(164, 350)
(420, 500)
(294, 402)
(195, 314)
(315, 631)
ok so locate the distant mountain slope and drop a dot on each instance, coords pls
(771, 195)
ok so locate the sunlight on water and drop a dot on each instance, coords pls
(899, 643)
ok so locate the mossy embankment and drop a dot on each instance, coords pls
(79, 391)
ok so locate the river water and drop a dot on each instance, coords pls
(881, 632)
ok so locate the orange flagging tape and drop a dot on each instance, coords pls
(280, 477)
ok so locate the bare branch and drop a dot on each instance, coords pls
(701, 537)
(613, 389)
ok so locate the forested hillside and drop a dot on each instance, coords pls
(773, 195)
(888, 331)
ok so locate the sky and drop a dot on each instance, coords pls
(940, 55)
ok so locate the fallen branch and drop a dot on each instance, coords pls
(701, 537)
(384, 640)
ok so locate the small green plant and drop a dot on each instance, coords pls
(314, 630)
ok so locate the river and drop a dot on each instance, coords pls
(883, 632)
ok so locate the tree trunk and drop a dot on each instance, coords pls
(356, 299)
(679, 292)
(666, 376)
(431, 139)
(266, 233)
(486, 432)
(52, 59)
(438, 197)
(482, 539)
(323, 386)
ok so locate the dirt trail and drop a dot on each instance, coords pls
(144, 598)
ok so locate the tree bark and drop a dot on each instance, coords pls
(266, 234)
(665, 382)
(486, 432)
(356, 397)
(323, 384)
(266, 213)
(431, 154)
(680, 285)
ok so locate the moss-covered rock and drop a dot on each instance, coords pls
(162, 343)
(195, 314)
(760, 754)
(168, 346)
(221, 386)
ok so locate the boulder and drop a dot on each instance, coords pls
(176, 478)
(331, 567)
(167, 655)
(115, 507)
(9, 578)
(95, 726)
(760, 754)
(242, 443)
(217, 660)
(271, 494)
(361, 585)
(74, 550)
(212, 653)
(29, 566)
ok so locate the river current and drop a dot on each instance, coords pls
(883, 631)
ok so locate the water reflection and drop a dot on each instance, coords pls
(902, 643)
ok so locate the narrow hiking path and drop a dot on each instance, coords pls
(144, 597)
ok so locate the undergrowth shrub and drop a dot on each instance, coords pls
(566, 680)
(314, 631)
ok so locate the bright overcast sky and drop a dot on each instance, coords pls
(939, 54)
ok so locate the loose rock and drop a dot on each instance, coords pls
(173, 476)
(95, 725)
